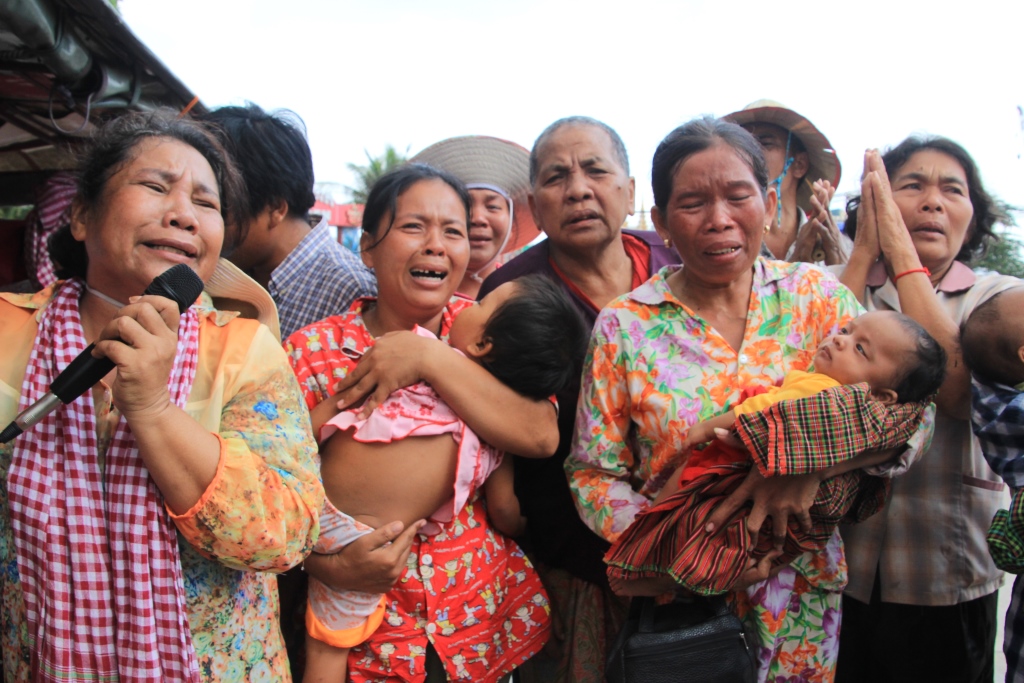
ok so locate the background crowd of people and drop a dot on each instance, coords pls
(147, 529)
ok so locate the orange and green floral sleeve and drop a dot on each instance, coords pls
(261, 510)
(601, 461)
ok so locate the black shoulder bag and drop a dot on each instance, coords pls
(691, 640)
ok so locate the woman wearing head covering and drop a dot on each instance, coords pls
(804, 170)
(139, 521)
(496, 173)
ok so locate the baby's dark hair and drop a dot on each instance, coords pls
(989, 343)
(925, 369)
(538, 339)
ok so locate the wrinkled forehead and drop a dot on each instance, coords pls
(928, 161)
(483, 192)
(582, 137)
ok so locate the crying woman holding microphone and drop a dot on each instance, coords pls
(137, 522)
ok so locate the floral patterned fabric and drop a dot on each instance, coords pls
(469, 592)
(258, 515)
(654, 369)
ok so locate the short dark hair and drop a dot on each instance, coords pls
(113, 146)
(925, 368)
(989, 343)
(618, 147)
(987, 211)
(272, 154)
(383, 198)
(538, 339)
(696, 136)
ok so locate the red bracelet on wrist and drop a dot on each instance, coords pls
(922, 269)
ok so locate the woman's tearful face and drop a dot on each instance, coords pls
(159, 209)
(423, 255)
(715, 215)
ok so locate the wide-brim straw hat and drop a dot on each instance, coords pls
(823, 160)
(485, 160)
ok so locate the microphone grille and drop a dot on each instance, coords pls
(178, 283)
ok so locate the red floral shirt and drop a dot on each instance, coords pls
(469, 591)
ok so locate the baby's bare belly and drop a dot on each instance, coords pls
(377, 483)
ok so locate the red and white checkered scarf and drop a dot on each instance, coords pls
(53, 210)
(97, 552)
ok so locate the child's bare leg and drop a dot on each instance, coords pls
(325, 663)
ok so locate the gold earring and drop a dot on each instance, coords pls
(668, 242)
(767, 228)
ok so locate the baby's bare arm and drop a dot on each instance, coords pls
(704, 431)
(502, 504)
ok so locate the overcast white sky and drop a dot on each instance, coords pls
(411, 72)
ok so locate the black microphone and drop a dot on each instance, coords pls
(178, 283)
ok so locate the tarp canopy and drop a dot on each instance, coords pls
(65, 65)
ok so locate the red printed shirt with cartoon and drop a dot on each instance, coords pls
(469, 591)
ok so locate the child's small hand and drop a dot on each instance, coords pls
(704, 431)
(697, 435)
(728, 437)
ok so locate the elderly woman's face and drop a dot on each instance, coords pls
(582, 195)
(160, 209)
(931, 192)
(715, 215)
(423, 257)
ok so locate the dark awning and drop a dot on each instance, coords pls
(63, 62)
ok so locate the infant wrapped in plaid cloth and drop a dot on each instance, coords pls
(871, 385)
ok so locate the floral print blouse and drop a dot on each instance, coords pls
(653, 370)
(258, 515)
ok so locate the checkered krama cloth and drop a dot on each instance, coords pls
(52, 211)
(97, 551)
(814, 433)
(844, 420)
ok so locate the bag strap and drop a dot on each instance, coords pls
(719, 607)
(647, 606)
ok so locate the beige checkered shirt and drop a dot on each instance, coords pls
(929, 541)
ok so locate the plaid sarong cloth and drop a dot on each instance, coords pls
(97, 552)
(789, 438)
